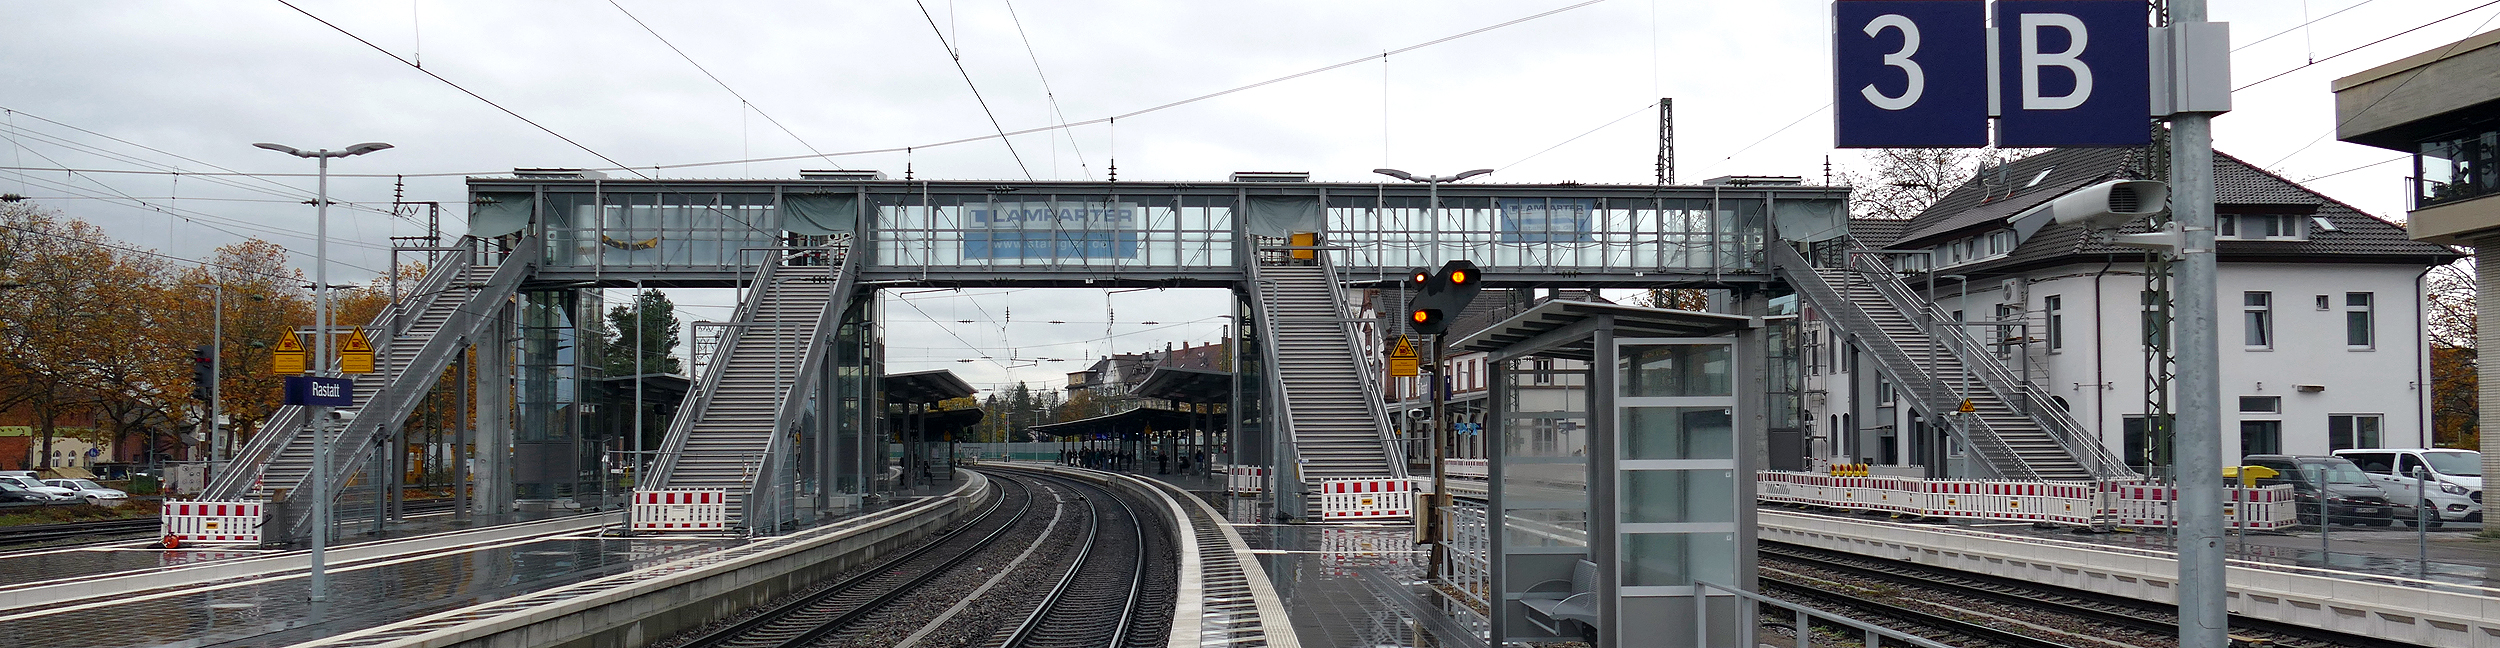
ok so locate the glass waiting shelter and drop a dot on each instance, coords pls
(1618, 486)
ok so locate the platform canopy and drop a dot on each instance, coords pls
(1561, 329)
(1187, 385)
(938, 425)
(1129, 423)
(925, 387)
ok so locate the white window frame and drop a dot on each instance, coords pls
(2257, 320)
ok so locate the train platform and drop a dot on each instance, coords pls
(23, 567)
(1344, 585)
(247, 597)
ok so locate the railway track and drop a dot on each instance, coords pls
(1050, 562)
(1962, 608)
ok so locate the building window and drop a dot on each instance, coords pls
(2056, 307)
(2281, 227)
(2458, 169)
(2000, 243)
(2326, 302)
(2257, 308)
(2348, 431)
(2261, 437)
(2261, 404)
(1883, 391)
(2357, 333)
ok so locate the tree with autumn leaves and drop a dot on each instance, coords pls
(92, 331)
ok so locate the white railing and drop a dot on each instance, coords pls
(2119, 503)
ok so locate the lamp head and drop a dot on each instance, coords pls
(281, 148)
(1394, 173)
(367, 147)
(1469, 174)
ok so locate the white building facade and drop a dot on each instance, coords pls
(2321, 322)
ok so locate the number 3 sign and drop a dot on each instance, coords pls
(1916, 73)
(1910, 73)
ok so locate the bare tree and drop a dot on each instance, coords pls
(2449, 301)
(1898, 183)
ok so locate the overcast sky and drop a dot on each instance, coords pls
(190, 85)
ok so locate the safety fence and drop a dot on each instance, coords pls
(1366, 499)
(1467, 469)
(681, 510)
(1245, 480)
(2135, 504)
(212, 521)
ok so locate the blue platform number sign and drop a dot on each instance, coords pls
(2072, 73)
(1910, 73)
(320, 392)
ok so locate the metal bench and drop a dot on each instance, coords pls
(1554, 601)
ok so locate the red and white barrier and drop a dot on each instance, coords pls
(681, 510)
(1467, 469)
(212, 521)
(1245, 480)
(1366, 499)
(2073, 503)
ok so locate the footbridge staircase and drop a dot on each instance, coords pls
(1330, 404)
(415, 340)
(2015, 431)
(735, 425)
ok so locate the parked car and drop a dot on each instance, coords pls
(26, 479)
(2351, 496)
(2455, 487)
(15, 496)
(91, 492)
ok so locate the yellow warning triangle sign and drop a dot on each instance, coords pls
(356, 357)
(288, 358)
(1403, 348)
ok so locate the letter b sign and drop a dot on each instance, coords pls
(2072, 73)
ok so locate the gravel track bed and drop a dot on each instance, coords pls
(1008, 496)
(1062, 513)
(1134, 551)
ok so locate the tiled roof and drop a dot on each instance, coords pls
(1878, 232)
(2238, 186)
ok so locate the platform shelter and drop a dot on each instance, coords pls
(1610, 503)
(915, 422)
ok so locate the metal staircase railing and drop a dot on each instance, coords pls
(1925, 391)
(2023, 395)
(699, 396)
(1360, 357)
(409, 382)
(777, 457)
(1277, 408)
(284, 425)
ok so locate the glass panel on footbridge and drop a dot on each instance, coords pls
(664, 230)
(1055, 232)
(1539, 234)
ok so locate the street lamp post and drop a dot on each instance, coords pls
(321, 348)
(1440, 381)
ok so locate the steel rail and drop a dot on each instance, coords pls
(1027, 632)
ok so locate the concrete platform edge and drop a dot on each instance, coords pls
(677, 601)
(58, 592)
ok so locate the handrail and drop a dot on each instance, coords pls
(1875, 635)
(812, 356)
(1391, 450)
(257, 453)
(2016, 392)
(1273, 405)
(1925, 392)
(699, 396)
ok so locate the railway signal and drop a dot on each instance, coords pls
(1441, 295)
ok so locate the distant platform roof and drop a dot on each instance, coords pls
(925, 387)
(941, 425)
(1187, 385)
(1131, 422)
(1551, 319)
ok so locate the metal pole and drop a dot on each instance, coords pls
(640, 321)
(216, 378)
(2203, 595)
(321, 363)
(2422, 520)
(1440, 459)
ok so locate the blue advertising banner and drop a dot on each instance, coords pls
(1540, 220)
(2073, 73)
(1051, 230)
(320, 392)
(1909, 73)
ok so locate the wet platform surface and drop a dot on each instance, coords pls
(1345, 585)
(277, 612)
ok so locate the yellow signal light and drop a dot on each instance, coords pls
(1421, 315)
(1458, 276)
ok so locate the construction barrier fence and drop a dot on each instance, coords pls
(1366, 499)
(681, 510)
(1245, 480)
(212, 521)
(2130, 503)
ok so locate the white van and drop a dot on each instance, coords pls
(2455, 485)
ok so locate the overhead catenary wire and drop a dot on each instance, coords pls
(273, 188)
(724, 85)
(1047, 93)
(957, 57)
(2400, 85)
(2386, 38)
(1576, 138)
